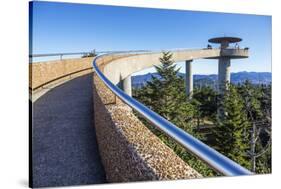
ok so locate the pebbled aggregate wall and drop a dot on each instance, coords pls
(50, 72)
(128, 149)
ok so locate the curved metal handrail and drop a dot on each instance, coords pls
(214, 159)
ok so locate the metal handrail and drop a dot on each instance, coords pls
(56, 54)
(214, 159)
(81, 53)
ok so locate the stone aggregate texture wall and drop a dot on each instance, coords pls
(128, 149)
(53, 71)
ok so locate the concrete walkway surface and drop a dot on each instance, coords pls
(64, 147)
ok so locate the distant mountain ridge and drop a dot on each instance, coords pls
(211, 79)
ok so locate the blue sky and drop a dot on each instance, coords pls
(66, 27)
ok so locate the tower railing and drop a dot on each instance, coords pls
(213, 158)
(235, 52)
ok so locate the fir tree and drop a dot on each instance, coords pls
(205, 101)
(229, 133)
(257, 105)
(166, 94)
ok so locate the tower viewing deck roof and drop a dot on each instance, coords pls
(225, 39)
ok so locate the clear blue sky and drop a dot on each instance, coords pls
(66, 27)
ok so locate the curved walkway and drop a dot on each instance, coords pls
(64, 148)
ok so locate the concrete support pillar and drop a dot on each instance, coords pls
(127, 85)
(223, 73)
(188, 78)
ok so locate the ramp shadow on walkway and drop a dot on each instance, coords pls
(64, 146)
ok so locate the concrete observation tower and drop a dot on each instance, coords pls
(224, 53)
(227, 53)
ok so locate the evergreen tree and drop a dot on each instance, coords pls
(166, 96)
(229, 133)
(265, 100)
(250, 95)
(258, 107)
(205, 101)
(241, 106)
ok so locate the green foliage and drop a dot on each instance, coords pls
(232, 116)
(166, 96)
(250, 95)
(257, 102)
(230, 138)
(204, 100)
(263, 164)
(265, 100)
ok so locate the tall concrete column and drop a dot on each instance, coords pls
(188, 78)
(223, 73)
(127, 85)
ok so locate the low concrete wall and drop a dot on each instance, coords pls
(122, 68)
(44, 76)
(128, 149)
(44, 72)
